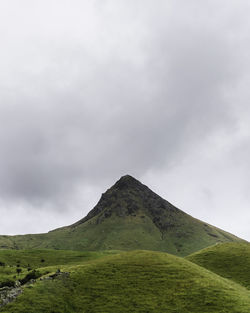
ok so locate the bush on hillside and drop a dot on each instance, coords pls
(32, 275)
(7, 283)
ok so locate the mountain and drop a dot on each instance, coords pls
(134, 281)
(128, 216)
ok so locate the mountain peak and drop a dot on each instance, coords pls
(127, 181)
(129, 197)
(127, 178)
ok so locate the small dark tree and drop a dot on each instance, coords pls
(42, 260)
(18, 270)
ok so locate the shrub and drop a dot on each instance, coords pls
(7, 283)
(32, 275)
(18, 270)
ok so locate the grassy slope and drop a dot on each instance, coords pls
(230, 260)
(125, 233)
(137, 281)
(41, 259)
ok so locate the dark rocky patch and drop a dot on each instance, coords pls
(128, 197)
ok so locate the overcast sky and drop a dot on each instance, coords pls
(93, 90)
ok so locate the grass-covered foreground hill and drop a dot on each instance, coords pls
(128, 216)
(16, 264)
(138, 281)
(229, 260)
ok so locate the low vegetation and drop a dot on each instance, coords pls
(24, 265)
(229, 260)
(138, 281)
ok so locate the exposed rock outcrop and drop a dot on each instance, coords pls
(9, 294)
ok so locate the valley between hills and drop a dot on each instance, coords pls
(133, 252)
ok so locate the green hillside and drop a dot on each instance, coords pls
(45, 257)
(138, 281)
(40, 260)
(230, 260)
(128, 216)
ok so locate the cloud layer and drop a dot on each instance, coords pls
(92, 90)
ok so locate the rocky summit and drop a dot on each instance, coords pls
(129, 197)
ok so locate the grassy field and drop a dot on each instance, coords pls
(229, 260)
(137, 281)
(16, 264)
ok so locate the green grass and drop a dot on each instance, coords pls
(42, 260)
(125, 233)
(230, 260)
(138, 281)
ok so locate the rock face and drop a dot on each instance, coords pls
(8, 294)
(129, 197)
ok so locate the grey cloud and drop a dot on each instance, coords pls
(91, 91)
